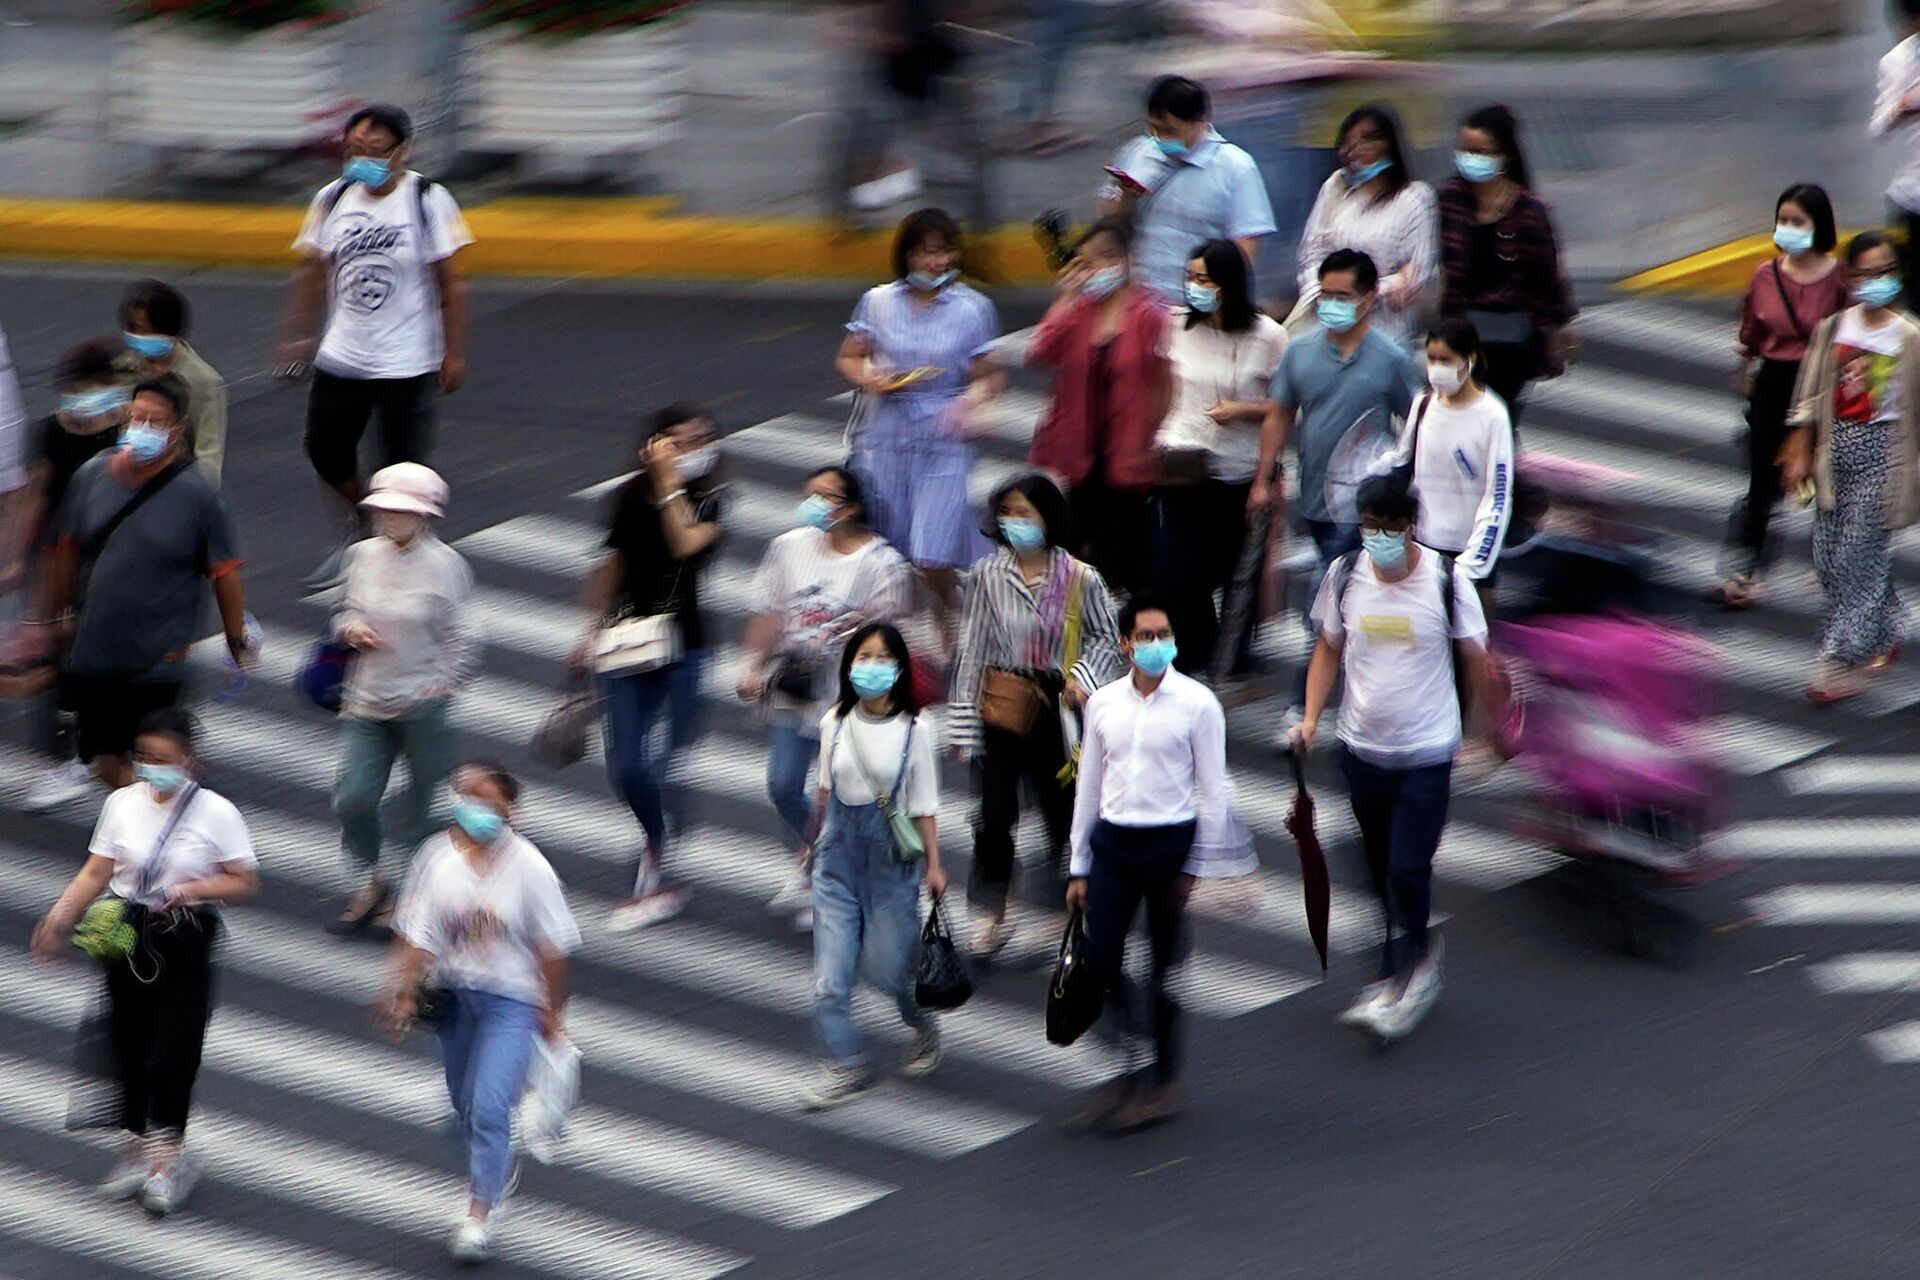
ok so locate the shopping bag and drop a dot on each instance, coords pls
(1074, 996)
(553, 1089)
(93, 1099)
(561, 739)
(323, 677)
(942, 980)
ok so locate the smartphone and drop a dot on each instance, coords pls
(1050, 229)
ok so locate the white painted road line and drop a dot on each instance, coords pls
(1816, 838)
(1824, 904)
(1856, 776)
(1868, 973)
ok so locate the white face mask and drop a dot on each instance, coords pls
(1445, 378)
(698, 462)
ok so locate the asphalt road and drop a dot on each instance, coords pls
(1568, 1112)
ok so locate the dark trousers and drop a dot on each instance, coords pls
(107, 710)
(1114, 526)
(1132, 865)
(1401, 813)
(1510, 369)
(1006, 761)
(338, 410)
(1766, 433)
(159, 1000)
(1200, 530)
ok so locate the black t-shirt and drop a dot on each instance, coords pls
(651, 580)
(65, 452)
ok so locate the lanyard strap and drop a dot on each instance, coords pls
(150, 874)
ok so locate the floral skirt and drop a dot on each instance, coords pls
(1853, 548)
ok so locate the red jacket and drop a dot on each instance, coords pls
(1138, 393)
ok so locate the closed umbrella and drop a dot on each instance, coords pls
(1315, 887)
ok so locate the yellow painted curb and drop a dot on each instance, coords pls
(1723, 269)
(599, 238)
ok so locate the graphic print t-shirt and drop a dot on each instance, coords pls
(383, 308)
(1866, 364)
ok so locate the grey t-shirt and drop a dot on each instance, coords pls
(1346, 416)
(142, 598)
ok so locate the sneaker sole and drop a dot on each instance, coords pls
(918, 1070)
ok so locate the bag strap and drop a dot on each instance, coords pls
(90, 549)
(1076, 607)
(150, 874)
(1419, 416)
(1446, 606)
(336, 192)
(1780, 284)
(882, 800)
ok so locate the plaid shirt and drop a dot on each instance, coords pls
(1528, 278)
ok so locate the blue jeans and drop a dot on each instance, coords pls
(866, 903)
(790, 755)
(636, 757)
(1401, 813)
(425, 738)
(486, 1042)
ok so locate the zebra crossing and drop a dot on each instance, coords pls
(690, 1156)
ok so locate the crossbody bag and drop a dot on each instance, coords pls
(907, 844)
(111, 928)
(1011, 701)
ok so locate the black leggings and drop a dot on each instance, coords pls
(159, 1001)
(1766, 432)
(338, 410)
(1007, 760)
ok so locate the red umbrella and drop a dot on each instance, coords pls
(1313, 861)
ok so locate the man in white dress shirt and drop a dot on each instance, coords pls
(1153, 783)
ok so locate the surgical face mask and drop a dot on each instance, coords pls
(1104, 281)
(1445, 378)
(928, 281)
(143, 441)
(1362, 176)
(1155, 656)
(696, 463)
(482, 822)
(871, 677)
(1204, 298)
(1387, 550)
(151, 346)
(816, 512)
(163, 778)
(367, 170)
(1022, 534)
(1877, 292)
(1337, 315)
(1170, 146)
(1793, 239)
(94, 404)
(1477, 168)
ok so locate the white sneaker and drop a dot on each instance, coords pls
(164, 1193)
(923, 1055)
(803, 920)
(471, 1242)
(885, 192)
(1401, 1016)
(1372, 998)
(127, 1177)
(656, 908)
(60, 784)
(833, 1086)
(796, 893)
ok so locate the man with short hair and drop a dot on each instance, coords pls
(141, 532)
(1153, 786)
(1184, 184)
(154, 319)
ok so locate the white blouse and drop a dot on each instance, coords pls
(1210, 366)
(1397, 234)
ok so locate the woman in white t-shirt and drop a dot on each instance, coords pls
(1460, 441)
(815, 586)
(1224, 353)
(1855, 433)
(380, 265)
(484, 914)
(876, 759)
(1383, 615)
(171, 852)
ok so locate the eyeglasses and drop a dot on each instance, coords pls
(1383, 526)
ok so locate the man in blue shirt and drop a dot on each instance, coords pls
(1184, 184)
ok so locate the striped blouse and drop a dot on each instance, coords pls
(1006, 626)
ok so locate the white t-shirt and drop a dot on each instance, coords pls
(211, 833)
(1464, 474)
(1401, 709)
(1210, 366)
(880, 743)
(383, 314)
(485, 927)
(1874, 358)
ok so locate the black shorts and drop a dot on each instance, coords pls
(107, 710)
(338, 410)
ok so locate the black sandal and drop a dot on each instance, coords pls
(361, 911)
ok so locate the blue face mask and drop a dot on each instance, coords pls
(1104, 281)
(1387, 550)
(1476, 168)
(143, 441)
(1793, 239)
(1361, 177)
(871, 677)
(367, 170)
(1022, 534)
(1877, 292)
(94, 404)
(929, 282)
(1170, 146)
(150, 346)
(815, 512)
(1204, 298)
(478, 820)
(163, 778)
(1155, 656)
(1337, 315)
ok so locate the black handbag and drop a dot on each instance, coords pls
(1074, 997)
(93, 1100)
(431, 1003)
(942, 980)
